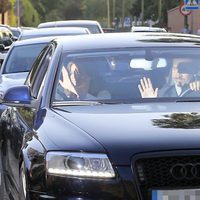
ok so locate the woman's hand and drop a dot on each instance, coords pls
(66, 82)
(146, 88)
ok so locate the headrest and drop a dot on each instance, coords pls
(189, 67)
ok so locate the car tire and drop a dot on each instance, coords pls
(23, 183)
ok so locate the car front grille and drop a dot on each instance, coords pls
(167, 172)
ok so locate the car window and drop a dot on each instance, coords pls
(21, 58)
(39, 75)
(92, 28)
(125, 75)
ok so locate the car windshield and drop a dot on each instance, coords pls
(92, 28)
(21, 58)
(121, 76)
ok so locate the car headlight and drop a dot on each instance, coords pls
(79, 164)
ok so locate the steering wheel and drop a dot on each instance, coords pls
(190, 93)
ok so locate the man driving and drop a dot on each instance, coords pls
(182, 80)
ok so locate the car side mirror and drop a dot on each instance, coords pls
(17, 96)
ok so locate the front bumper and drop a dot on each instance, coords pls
(148, 172)
(120, 188)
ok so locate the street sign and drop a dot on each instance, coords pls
(183, 10)
(192, 4)
(127, 22)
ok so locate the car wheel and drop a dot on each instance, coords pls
(23, 183)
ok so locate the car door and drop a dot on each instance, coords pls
(17, 126)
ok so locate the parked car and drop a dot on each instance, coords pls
(19, 61)
(66, 141)
(6, 39)
(109, 30)
(6, 36)
(93, 26)
(23, 53)
(147, 29)
(57, 31)
(16, 31)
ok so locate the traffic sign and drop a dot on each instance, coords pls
(183, 10)
(192, 4)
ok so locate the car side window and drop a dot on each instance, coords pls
(39, 72)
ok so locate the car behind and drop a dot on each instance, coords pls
(147, 29)
(58, 31)
(93, 26)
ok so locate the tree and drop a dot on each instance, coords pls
(151, 9)
(39, 6)
(71, 9)
(4, 6)
(30, 15)
(12, 13)
(95, 10)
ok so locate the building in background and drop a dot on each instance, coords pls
(6, 18)
(176, 20)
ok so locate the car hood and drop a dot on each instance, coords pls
(11, 80)
(126, 130)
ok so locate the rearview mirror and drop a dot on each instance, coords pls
(17, 96)
(142, 63)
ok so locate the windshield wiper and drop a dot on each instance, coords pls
(76, 103)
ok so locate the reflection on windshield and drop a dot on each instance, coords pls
(129, 74)
(179, 120)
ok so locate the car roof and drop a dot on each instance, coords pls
(127, 40)
(68, 22)
(33, 41)
(147, 28)
(5, 29)
(53, 32)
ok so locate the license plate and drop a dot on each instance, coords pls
(189, 194)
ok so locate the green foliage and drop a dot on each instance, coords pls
(50, 10)
(94, 9)
(30, 15)
(54, 15)
(39, 6)
(13, 18)
(70, 9)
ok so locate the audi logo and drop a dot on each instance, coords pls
(185, 171)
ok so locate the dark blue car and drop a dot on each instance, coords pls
(106, 116)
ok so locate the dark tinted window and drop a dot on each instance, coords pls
(21, 58)
(37, 75)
